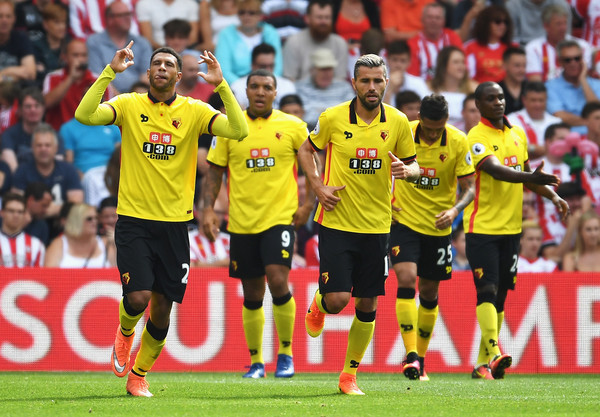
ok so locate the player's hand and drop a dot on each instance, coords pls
(400, 170)
(562, 207)
(396, 208)
(213, 75)
(123, 59)
(444, 219)
(301, 215)
(543, 178)
(210, 224)
(327, 197)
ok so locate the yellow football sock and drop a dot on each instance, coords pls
(285, 316)
(319, 301)
(254, 323)
(406, 313)
(359, 337)
(488, 323)
(150, 348)
(483, 356)
(127, 322)
(425, 324)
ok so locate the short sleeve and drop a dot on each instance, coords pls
(321, 134)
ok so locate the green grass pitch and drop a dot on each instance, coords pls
(226, 394)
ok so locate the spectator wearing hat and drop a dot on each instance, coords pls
(320, 89)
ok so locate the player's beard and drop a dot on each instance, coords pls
(370, 105)
(165, 87)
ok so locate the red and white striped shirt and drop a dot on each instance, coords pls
(589, 11)
(21, 251)
(423, 52)
(205, 251)
(86, 17)
(542, 58)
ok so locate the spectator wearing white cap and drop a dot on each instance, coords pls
(320, 89)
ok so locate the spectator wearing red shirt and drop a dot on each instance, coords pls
(492, 36)
(400, 19)
(64, 88)
(427, 43)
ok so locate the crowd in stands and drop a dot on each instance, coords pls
(59, 178)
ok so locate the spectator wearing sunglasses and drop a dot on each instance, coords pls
(542, 59)
(573, 88)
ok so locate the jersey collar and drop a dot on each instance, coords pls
(254, 117)
(354, 120)
(168, 102)
(442, 141)
(489, 124)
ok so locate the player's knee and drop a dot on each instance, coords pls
(138, 300)
(336, 301)
(428, 290)
(406, 273)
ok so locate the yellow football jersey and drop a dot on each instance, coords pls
(159, 154)
(262, 172)
(498, 205)
(357, 157)
(441, 164)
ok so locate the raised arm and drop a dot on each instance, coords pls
(90, 110)
(232, 126)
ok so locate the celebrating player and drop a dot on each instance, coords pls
(364, 139)
(263, 210)
(160, 133)
(420, 235)
(493, 227)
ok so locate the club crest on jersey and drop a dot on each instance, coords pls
(384, 134)
(443, 156)
(478, 272)
(278, 135)
(176, 122)
(125, 278)
(395, 250)
(325, 277)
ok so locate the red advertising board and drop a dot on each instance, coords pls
(65, 320)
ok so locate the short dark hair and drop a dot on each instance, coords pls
(37, 190)
(216, 101)
(512, 50)
(110, 201)
(290, 99)
(479, 90)
(470, 96)
(320, 3)
(167, 50)
(33, 92)
(551, 130)
(434, 107)
(10, 196)
(534, 86)
(260, 49)
(261, 73)
(406, 97)
(370, 61)
(589, 108)
(177, 28)
(398, 48)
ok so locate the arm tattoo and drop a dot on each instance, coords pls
(465, 197)
(212, 185)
